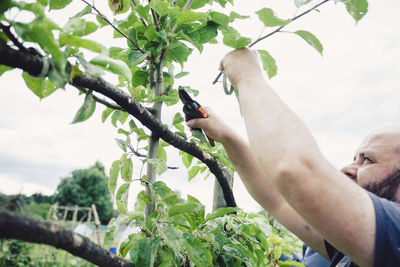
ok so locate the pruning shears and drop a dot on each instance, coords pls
(193, 110)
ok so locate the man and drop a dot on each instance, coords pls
(284, 171)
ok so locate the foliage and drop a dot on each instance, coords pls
(15, 253)
(84, 188)
(159, 37)
(179, 233)
(39, 210)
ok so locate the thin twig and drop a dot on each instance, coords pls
(16, 42)
(187, 6)
(155, 19)
(112, 25)
(140, 18)
(101, 101)
(277, 30)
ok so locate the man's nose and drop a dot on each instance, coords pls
(351, 171)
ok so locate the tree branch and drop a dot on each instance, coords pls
(33, 65)
(17, 226)
(277, 30)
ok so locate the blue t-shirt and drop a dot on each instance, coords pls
(387, 238)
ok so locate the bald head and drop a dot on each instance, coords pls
(376, 165)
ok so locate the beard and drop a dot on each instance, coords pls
(386, 188)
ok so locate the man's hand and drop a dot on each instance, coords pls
(213, 126)
(241, 65)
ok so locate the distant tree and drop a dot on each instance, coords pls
(86, 187)
(40, 198)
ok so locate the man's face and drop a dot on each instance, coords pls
(376, 163)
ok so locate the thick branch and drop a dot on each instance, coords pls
(277, 30)
(33, 65)
(16, 226)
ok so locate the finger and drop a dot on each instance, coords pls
(196, 123)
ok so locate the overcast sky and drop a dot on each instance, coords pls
(353, 89)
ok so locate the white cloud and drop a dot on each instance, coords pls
(9, 185)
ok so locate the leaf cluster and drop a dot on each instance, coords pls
(179, 233)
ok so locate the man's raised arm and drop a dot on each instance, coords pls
(285, 151)
(256, 184)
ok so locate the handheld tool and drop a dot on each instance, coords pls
(192, 110)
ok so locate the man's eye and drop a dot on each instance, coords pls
(367, 160)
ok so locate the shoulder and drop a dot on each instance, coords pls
(387, 239)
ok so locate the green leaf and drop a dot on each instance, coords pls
(160, 189)
(86, 10)
(39, 86)
(160, 6)
(311, 40)
(290, 263)
(268, 17)
(172, 237)
(189, 16)
(193, 172)
(4, 68)
(59, 4)
(115, 66)
(79, 26)
(160, 165)
(162, 154)
(187, 159)
(41, 33)
(233, 15)
(179, 52)
(126, 170)
(136, 57)
(68, 39)
(90, 68)
(208, 32)
(101, 21)
(5, 5)
(233, 39)
(177, 118)
(220, 213)
(144, 251)
(181, 74)
(196, 3)
(86, 110)
(112, 181)
(122, 198)
(356, 8)
(115, 117)
(140, 78)
(198, 253)
(121, 143)
(105, 114)
(123, 117)
(191, 207)
(219, 18)
(268, 62)
(119, 6)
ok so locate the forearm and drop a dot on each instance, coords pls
(278, 139)
(254, 180)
